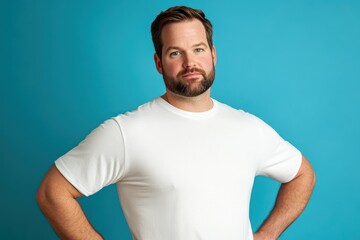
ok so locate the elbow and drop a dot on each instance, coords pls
(310, 178)
(313, 178)
(307, 173)
(41, 197)
(46, 196)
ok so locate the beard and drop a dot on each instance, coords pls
(190, 87)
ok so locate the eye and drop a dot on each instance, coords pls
(174, 54)
(199, 50)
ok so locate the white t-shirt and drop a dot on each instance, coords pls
(181, 175)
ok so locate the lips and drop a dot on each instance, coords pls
(191, 74)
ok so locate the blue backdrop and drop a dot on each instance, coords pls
(66, 66)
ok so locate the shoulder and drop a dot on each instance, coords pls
(140, 110)
(239, 114)
(145, 114)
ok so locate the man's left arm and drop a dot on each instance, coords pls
(290, 202)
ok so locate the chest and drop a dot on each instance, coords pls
(192, 159)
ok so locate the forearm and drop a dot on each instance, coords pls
(67, 218)
(291, 201)
(57, 200)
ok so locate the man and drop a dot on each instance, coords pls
(184, 164)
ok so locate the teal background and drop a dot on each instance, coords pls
(66, 66)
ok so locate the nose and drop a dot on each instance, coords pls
(188, 60)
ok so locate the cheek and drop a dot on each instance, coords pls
(171, 68)
(207, 63)
(206, 59)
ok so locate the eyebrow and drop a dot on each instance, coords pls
(195, 45)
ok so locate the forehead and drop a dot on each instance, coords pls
(183, 32)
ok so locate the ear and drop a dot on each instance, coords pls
(213, 53)
(158, 63)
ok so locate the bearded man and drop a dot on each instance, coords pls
(184, 164)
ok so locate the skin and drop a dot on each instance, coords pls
(291, 200)
(185, 46)
(57, 200)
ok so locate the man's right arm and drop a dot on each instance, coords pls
(57, 200)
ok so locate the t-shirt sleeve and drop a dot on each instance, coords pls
(279, 159)
(99, 160)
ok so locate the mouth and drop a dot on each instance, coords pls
(191, 74)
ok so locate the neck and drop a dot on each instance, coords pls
(199, 103)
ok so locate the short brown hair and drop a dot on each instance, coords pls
(175, 15)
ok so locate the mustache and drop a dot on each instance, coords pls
(191, 70)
